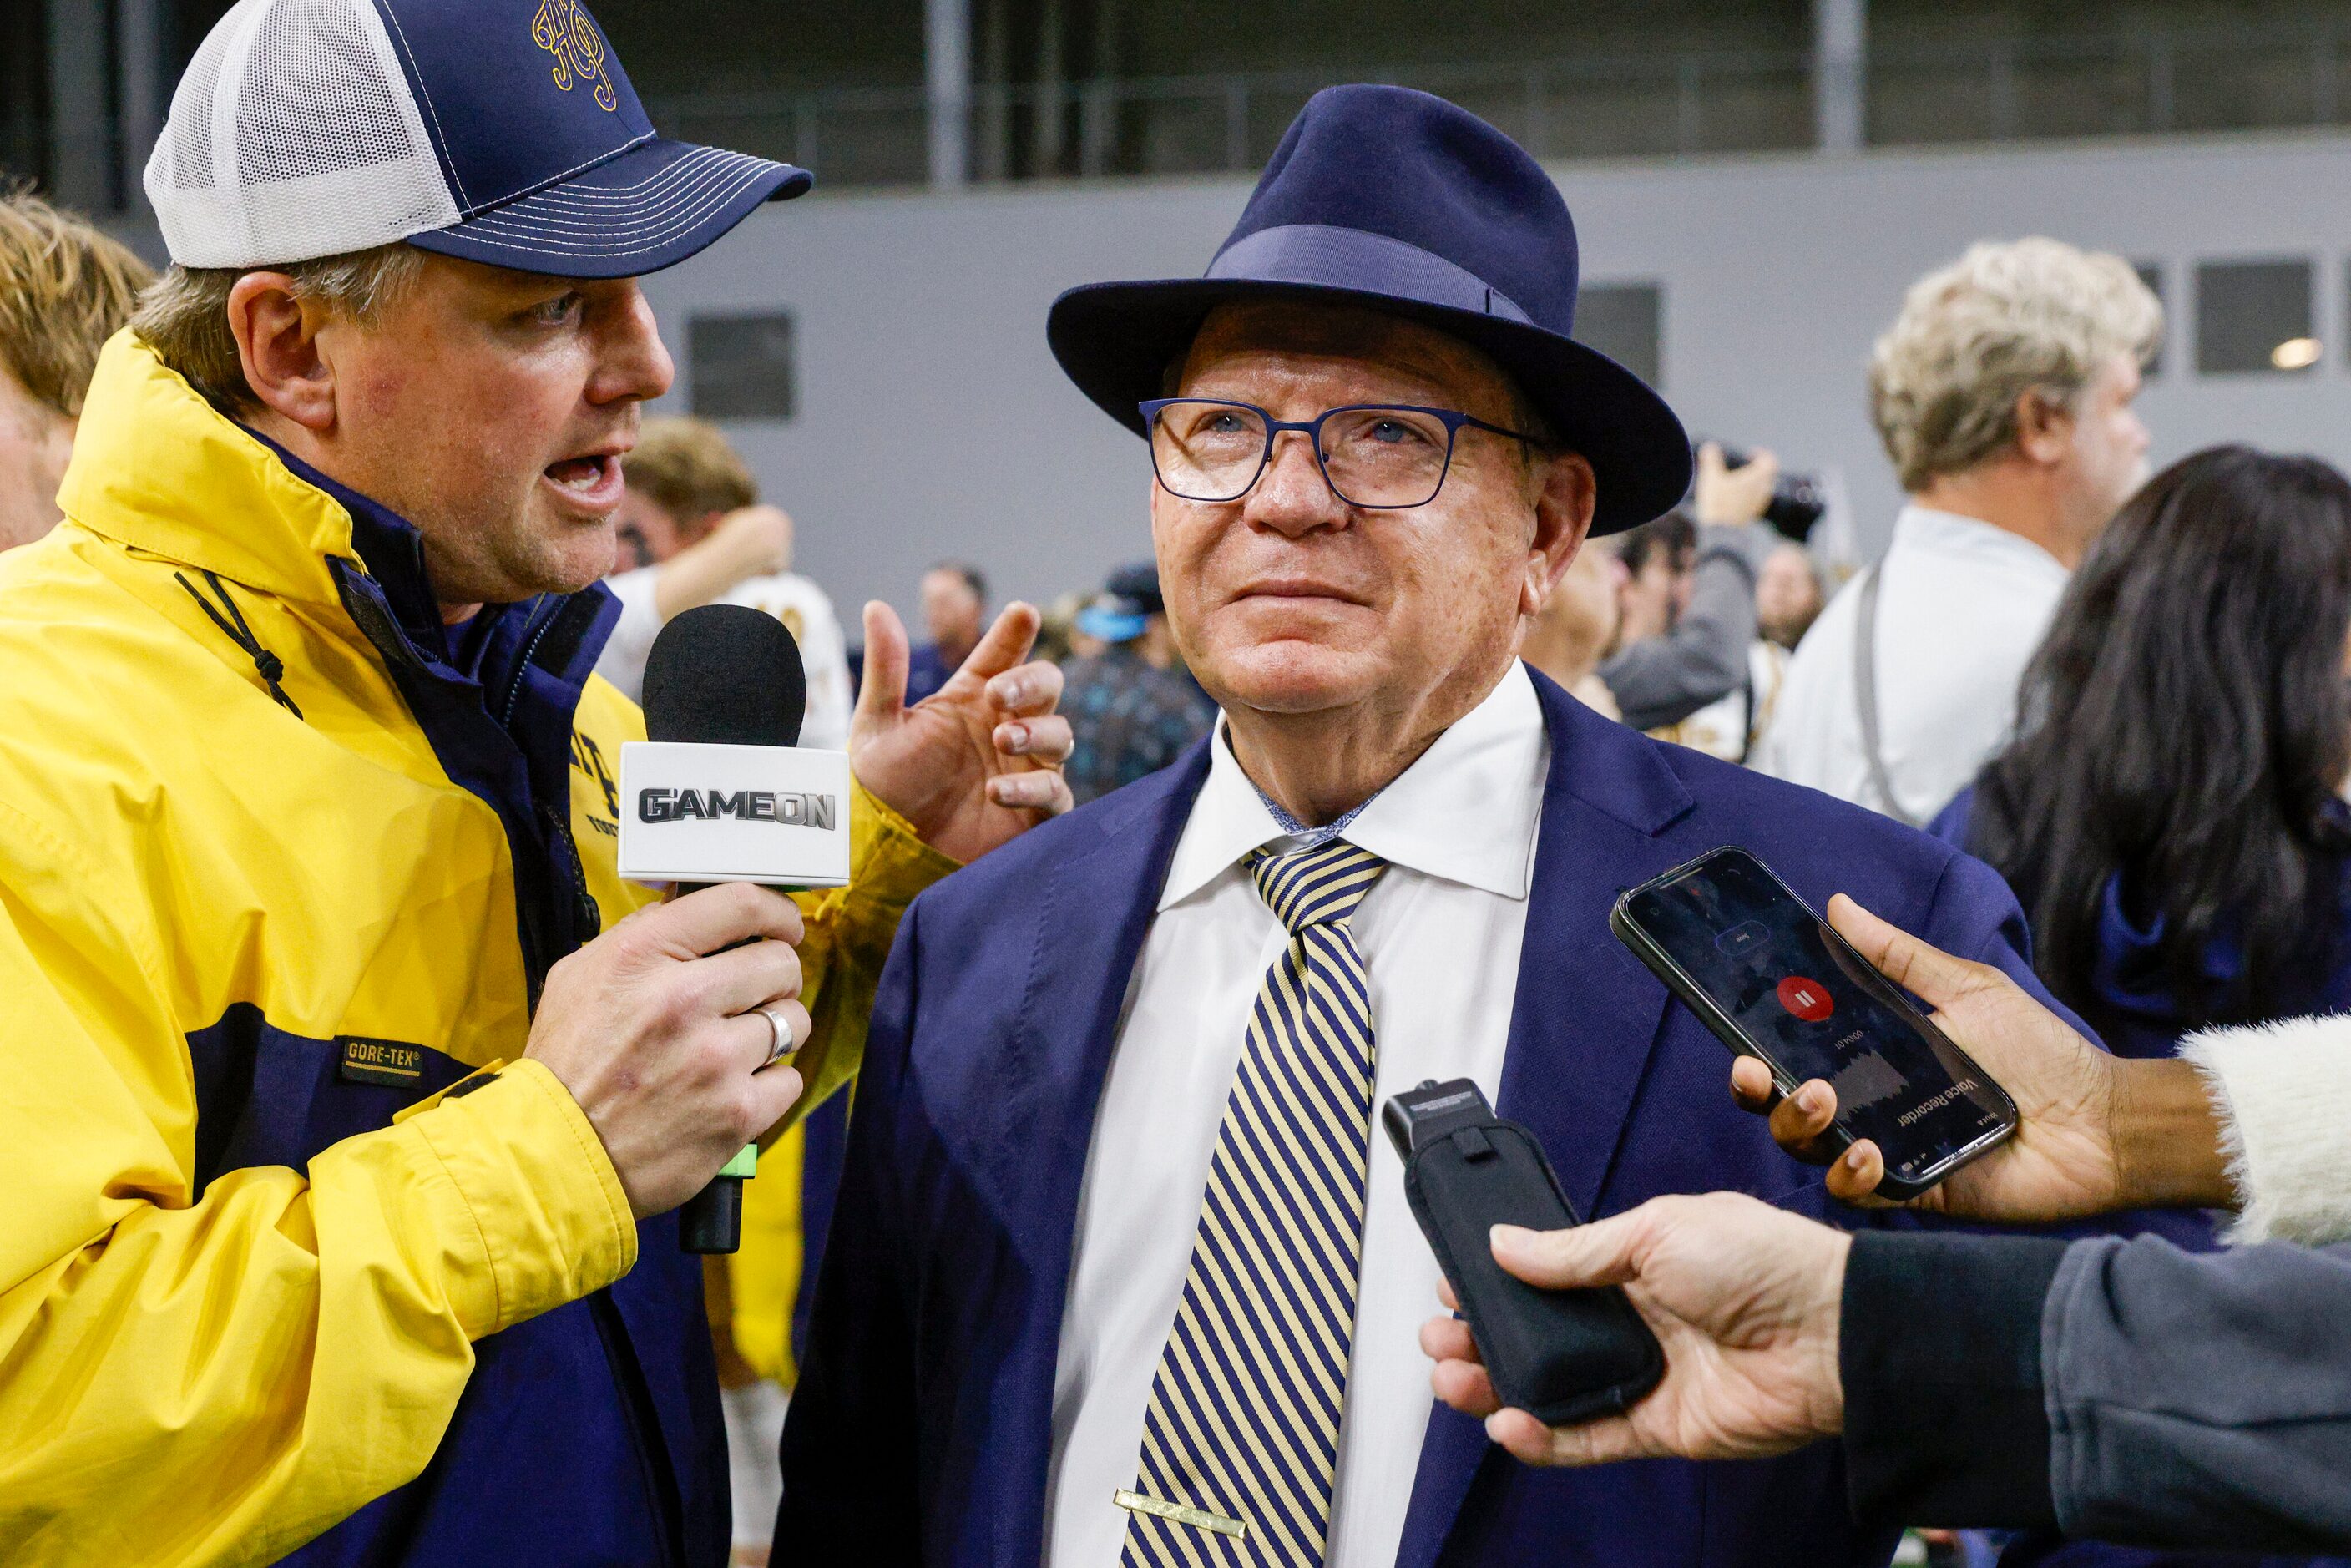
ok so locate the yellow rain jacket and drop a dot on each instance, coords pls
(277, 864)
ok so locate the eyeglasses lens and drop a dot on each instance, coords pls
(1207, 451)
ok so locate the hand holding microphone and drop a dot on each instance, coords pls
(719, 793)
(668, 1028)
(653, 1028)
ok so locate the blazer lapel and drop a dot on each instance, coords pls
(1087, 922)
(1087, 927)
(1584, 1017)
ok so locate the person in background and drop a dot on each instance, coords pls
(2170, 818)
(65, 289)
(1659, 558)
(1133, 708)
(1578, 627)
(1789, 595)
(2003, 393)
(1696, 583)
(1689, 608)
(955, 608)
(691, 514)
(1058, 637)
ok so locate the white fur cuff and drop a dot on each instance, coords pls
(2282, 1092)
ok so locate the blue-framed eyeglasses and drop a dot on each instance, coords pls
(1378, 456)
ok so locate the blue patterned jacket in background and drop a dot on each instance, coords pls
(1129, 718)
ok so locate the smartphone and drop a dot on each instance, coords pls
(1774, 981)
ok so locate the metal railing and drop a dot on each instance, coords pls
(1591, 108)
(1627, 106)
(2155, 83)
(1624, 106)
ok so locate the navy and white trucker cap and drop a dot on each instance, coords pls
(499, 130)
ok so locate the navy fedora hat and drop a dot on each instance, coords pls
(1394, 199)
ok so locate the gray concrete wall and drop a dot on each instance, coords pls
(933, 422)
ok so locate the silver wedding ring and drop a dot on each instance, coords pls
(781, 1046)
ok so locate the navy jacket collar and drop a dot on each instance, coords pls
(501, 725)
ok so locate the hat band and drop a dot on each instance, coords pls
(1366, 262)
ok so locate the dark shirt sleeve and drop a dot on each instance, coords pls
(1664, 680)
(1939, 1350)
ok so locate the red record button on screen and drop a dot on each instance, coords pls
(1808, 1000)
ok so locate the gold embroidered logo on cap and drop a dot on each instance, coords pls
(563, 30)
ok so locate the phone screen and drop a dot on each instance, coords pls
(1813, 1008)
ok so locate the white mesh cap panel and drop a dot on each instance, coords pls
(294, 135)
(183, 156)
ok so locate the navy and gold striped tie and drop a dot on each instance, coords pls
(1241, 1441)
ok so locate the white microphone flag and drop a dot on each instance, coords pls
(696, 813)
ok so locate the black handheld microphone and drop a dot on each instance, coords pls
(721, 674)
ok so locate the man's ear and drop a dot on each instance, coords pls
(2044, 427)
(1564, 509)
(277, 337)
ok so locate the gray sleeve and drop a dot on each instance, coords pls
(1662, 680)
(2200, 1400)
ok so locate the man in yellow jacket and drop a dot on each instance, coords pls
(348, 1088)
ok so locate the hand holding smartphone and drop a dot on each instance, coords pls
(1774, 981)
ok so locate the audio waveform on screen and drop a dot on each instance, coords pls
(1866, 1080)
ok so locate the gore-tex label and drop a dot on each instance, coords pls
(365, 1061)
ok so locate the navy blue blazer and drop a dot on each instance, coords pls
(922, 1428)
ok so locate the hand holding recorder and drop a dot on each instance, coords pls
(1776, 983)
(1747, 1299)
(2095, 1132)
(1744, 1299)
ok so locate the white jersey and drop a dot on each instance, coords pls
(790, 597)
(1963, 607)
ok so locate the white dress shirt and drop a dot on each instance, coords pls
(790, 597)
(1440, 932)
(1963, 607)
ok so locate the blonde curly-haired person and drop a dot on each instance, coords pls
(65, 289)
(2003, 394)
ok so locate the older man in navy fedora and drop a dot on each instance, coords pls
(1119, 1274)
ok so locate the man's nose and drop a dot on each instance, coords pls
(1291, 496)
(632, 363)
